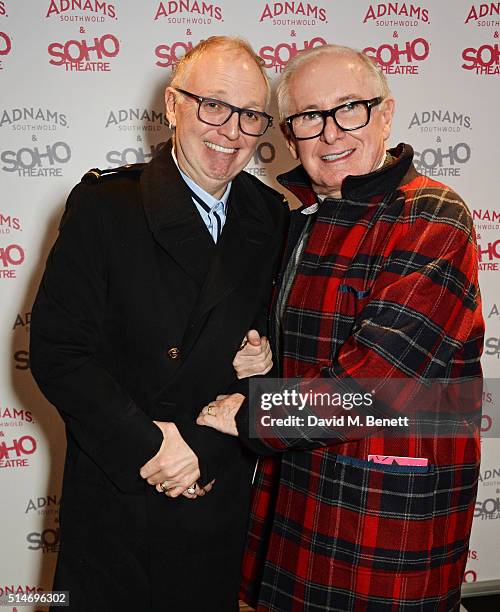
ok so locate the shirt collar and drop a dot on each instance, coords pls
(209, 199)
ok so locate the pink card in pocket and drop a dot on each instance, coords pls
(390, 459)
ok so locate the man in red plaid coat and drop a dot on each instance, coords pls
(379, 281)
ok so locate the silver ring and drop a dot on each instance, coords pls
(191, 490)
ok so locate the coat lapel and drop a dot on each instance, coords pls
(172, 217)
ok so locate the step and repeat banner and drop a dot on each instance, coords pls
(81, 85)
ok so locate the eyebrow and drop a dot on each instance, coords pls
(252, 105)
(341, 100)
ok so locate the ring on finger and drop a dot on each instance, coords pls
(163, 486)
(192, 489)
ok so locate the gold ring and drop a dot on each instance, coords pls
(163, 486)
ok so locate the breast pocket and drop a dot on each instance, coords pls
(348, 307)
(384, 515)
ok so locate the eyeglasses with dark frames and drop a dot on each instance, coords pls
(348, 117)
(216, 112)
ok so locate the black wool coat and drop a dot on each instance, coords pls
(138, 317)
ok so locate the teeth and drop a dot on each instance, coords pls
(218, 148)
(333, 156)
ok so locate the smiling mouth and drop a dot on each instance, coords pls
(219, 149)
(335, 156)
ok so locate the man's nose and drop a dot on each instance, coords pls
(231, 129)
(331, 131)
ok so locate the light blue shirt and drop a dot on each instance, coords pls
(215, 217)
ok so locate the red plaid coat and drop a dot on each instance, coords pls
(329, 530)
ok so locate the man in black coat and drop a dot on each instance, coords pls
(158, 272)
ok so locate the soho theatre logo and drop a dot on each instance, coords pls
(12, 254)
(294, 14)
(265, 154)
(483, 60)
(36, 160)
(396, 14)
(85, 54)
(136, 120)
(190, 12)
(488, 509)
(3, 9)
(47, 540)
(276, 57)
(399, 57)
(86, 11)
(487, 224)
(5, 47)
(139, 154)
(169, 55)
(16, 451)
(449, 154)
(32, 119)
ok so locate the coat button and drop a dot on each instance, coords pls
(174, 352)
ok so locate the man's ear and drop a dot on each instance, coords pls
(290, 141)
(170, 103)
(389, 106)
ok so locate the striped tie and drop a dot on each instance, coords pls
(206, 208)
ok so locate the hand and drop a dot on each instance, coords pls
(175, 463)
(199, 491)
(220, 414)
(255, 356)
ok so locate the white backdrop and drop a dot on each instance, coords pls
(81, 85)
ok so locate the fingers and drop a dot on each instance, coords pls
(253, 337)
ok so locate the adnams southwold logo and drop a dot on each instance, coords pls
(190, 12)
(136, 120)
(32, 119)
(14, 417)
(85, 53)
(49, 504)
(398, 57)
(9, 224)
(396, 14)
(293, 14)
(86, 11)
(276, 57)
(440, 120)
(487, 225)
(484, 15)
(493, 311)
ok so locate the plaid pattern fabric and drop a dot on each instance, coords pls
(386, 288)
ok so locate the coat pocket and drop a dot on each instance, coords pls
(384, 515)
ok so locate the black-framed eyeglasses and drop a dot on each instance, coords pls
(348, 117)
(215, 112)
